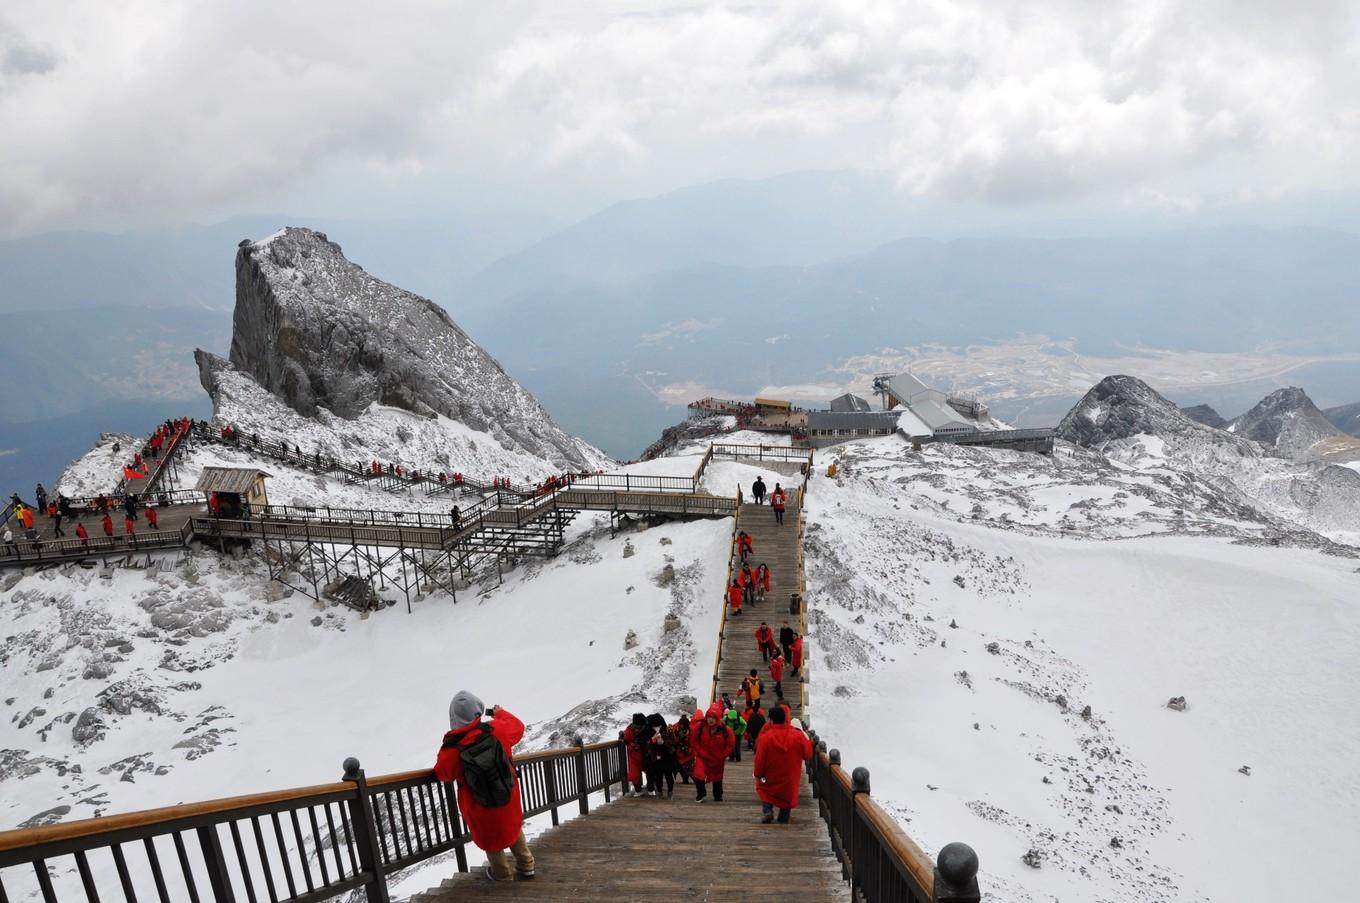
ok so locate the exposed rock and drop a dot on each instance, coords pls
(89, 727)
(628, 550)
(1288, 424)
(1177, 703)
(1202, 413)
(1122, 407)
(994, 648)
(631, 640)
(665, 577)
(46, 817)
(319, 332)
(672, 623)
(1033, 859)
(1245, 769)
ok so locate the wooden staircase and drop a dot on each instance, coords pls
(777, 547)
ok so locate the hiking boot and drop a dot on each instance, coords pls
(525, 876)
(767, 818)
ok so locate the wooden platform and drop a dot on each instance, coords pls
(672, 851)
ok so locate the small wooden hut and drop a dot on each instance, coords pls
(236, 489)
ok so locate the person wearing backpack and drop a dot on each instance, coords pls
(737, 725)
(477, 754)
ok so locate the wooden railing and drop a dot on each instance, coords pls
(761, 452)
(291, 846)
(722, 619)
(878, 859)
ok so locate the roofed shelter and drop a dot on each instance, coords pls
(773, 405)
(237, 489)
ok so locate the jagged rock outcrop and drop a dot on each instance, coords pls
(1203, 413)
(318, 332)
(1123, 407)
(1288, 423)
(1346, 418)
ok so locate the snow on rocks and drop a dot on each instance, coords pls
(99, 469)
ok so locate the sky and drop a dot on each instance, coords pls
(152, 112)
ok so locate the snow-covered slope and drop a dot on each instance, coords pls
(203, 680)
(100, 468)
(960, 633)
(433, 443)
(321, 334)
(1128, 422)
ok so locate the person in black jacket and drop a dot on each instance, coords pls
(755, 720)
(758, 490)
(786, 638)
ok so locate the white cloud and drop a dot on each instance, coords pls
(155, 110)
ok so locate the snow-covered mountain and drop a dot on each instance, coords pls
(1128, 422)
(332, 341)
(1287, 422)
(967, 606)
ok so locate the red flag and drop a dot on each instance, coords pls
(130, 474)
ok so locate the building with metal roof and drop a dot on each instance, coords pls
(849, 404)
(932, 407)
(832, 427)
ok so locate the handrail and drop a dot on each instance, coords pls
(882, 863)
(362, 832)
(722, 620)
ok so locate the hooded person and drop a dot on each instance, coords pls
(781, 751)
(632, 742)
(711, 742)
(658, 756)
(737, 724)
(684, 756)
(478, 755)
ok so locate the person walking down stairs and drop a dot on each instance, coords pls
(478, 755)
(758, 490)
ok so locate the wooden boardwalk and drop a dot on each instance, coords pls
(777, 547)
(672, 851)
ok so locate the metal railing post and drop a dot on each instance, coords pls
(859, 783)
(582, 792)
(956, 869)
(216, 864)
(366, 834)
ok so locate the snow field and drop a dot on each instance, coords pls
(1258, 641)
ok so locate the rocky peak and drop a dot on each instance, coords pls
(1203, 413)
(1287, 422)
(1124, 407)
(318, 332)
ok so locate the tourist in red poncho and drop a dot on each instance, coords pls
(781, 751)
(796, 659)
(711, 742)
(494, 829)
(734, 596)
(765, 640)
(634, 749)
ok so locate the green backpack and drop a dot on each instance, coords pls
(486, 768)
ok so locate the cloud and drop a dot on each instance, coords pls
(149, 109)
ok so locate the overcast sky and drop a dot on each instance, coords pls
(119, 114)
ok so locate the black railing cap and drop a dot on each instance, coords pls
(352, 768)
(834, 756)
(859, 780)
(577, 741)
(957, 863)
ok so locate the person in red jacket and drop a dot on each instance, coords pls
(129, 530)
(684, 756)
(82, 534)
(777, 673)
(711, 742)
(108, 525)
(152, 517)
(777, 502)
(734, 594)
(493, 829)
(765, 640)
(632, 745)
(796, 662)
(781, 751)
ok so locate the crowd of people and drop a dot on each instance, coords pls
(698, 749)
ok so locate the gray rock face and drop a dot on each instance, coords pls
(1121, 407)
(1288, 423)
(1202, 413)
(318, 331)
